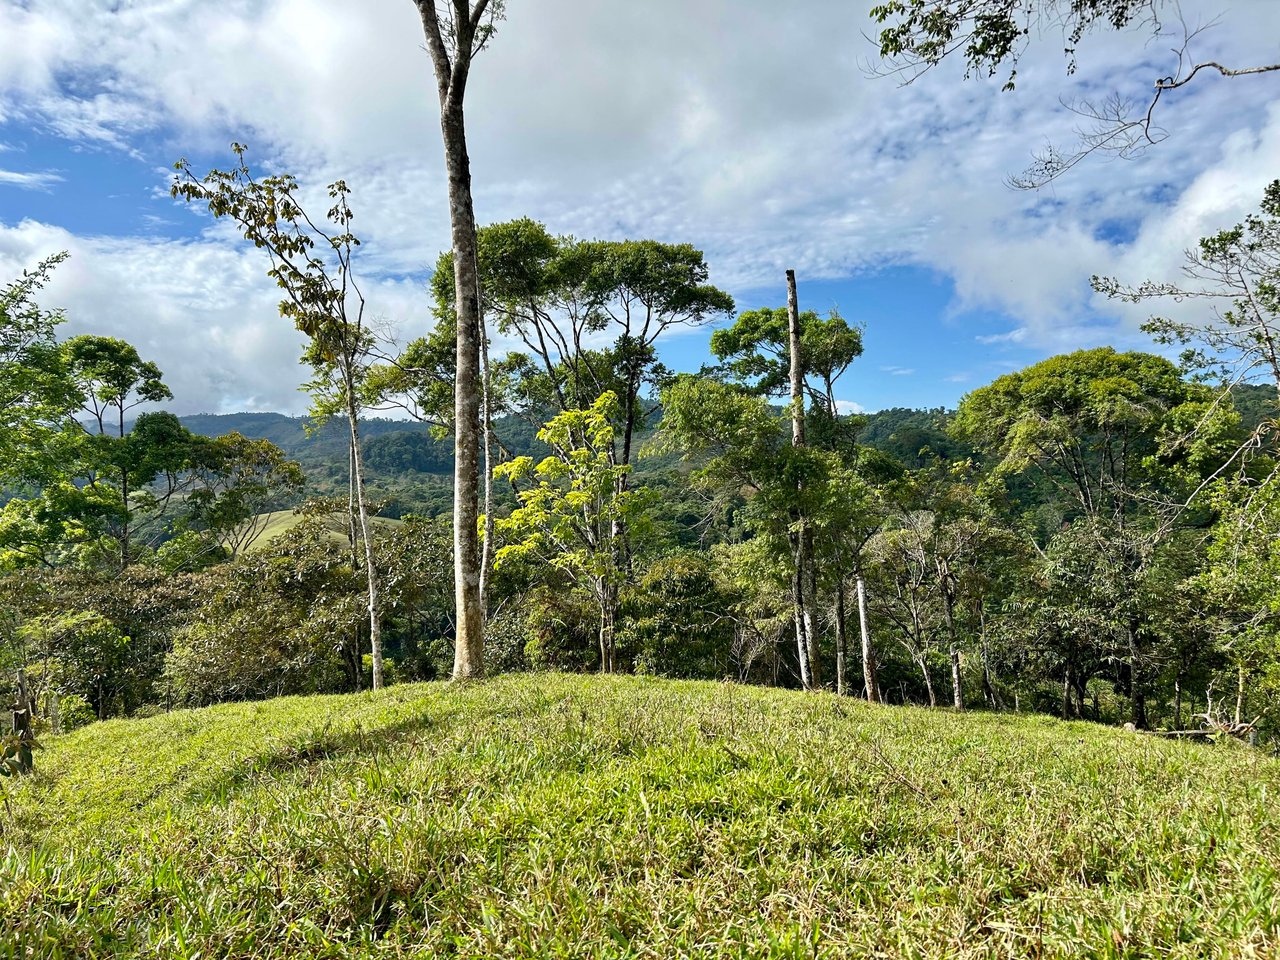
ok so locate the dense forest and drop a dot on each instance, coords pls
(1088, 537)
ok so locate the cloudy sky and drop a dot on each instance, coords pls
(757, 135)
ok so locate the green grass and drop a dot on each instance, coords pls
(281, 521)
(558, 816)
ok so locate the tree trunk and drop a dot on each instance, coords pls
(798, 611)
(957, 690)
(1080, 684)
(451, 46)
(806, 578)
(468, 659)
(869, 680)
(1066, 692)
(1240, 696)
(988, 685)
(1177, 700)
(353, 537)
(928, 680)
(811, 607)
(21, 720)
(1137, 681)
(366, 534)
(486, 556)
(608, 594)
(841, 638)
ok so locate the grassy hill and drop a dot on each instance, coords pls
(281, 521)
(560, 816)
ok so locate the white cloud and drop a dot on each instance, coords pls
(750, 131)
(204, 310)
(898, 371)
(846, 407)
(40, 180)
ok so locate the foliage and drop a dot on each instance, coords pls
(16, 755)
(111, 379)
(241, 480)
(756, 350)
(87, 656)
(572, 514)
(74, 712)
(992, 34)
(272, 622)
(679, 619)
(35, 392)
(1237, 272)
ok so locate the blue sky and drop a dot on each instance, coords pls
(759, 137)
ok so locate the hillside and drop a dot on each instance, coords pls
(549, 815)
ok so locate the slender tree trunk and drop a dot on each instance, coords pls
(1177, 700)
(805, 573)
(366, 534)
(841, 638)
(869, 680)
(608, 594)
(1240, 695)
(928, 680)
(486, 556)
(811, 607)
(798, 611)
(1066, 692)
(957, 689)
(451, 46)
(468, 660)
(353, 538)
(988, 685)
(1137, 680)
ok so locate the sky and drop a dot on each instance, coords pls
(762, 137)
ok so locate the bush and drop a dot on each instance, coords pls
(562, 627)
(74, 712)
(390, 674)
(675, 623)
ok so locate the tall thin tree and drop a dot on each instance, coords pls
(802, 540)
(457, 30)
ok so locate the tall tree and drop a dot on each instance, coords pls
(35, 393)
(456, 31)
(112, 379)
(785, 351)
(570, 509)
(312, 262)
(806, 584)
(1126, 438)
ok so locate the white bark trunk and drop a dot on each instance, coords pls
(366, 534)
(451, 51)
(868, 651)
(486, 556)
(806, 581)
(957, 691)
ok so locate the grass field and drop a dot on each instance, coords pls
(560, 816)
(281, 521)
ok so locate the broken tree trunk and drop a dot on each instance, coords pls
(806, 579)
